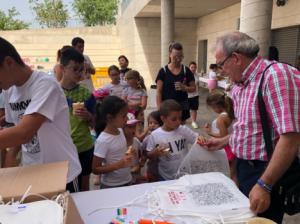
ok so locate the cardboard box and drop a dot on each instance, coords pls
(47, 180)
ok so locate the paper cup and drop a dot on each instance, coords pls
(77, 106)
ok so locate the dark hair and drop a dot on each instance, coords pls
(77, 40)
(156, 116)
(134, 74)
(111, 105)
(71, 54)
(218, 98)
(113, 68)
(273, 53)
(168, 106)
(7, 49)
(213, 66)
(176, 46)
(124, 57)
(58, 55)
(192, 63)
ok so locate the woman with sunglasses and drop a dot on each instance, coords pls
(175, 80)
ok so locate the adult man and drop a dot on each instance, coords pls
(236, 55)
(78, 44)
(36, 105)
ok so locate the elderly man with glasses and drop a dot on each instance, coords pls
(257, 172)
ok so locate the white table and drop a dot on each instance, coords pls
(221, 83)
(88, 201)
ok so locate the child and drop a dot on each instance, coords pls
(116, 87)
(193, 97)
(81, 109)
(212, 77)
(134, 143)
(154, 122)
(37, 106)
(135, 95)
(220, 127)
(110, 156)
(169, 142)
(140, 132)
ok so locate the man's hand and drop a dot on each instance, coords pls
(213, 144)
(259, 199)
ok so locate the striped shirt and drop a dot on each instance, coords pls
(280, 91)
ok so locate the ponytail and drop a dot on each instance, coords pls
(229, 107)
(221, 99)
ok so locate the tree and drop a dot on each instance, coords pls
(50, 13)
(8, 22)
(96, 12)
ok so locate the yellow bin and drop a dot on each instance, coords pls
(100, 78)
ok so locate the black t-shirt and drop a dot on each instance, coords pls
(168, 78)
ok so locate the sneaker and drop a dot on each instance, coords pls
(194, 125)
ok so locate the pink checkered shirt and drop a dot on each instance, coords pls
(280, 91)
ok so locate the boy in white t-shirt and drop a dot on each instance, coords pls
(169, 143)
(36, 105)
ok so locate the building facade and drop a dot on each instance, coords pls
(146, 27)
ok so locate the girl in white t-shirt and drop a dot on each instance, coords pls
(110, 155)
(154, 122)
(135, 95)
(222, 125)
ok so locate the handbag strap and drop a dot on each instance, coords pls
(264, 116)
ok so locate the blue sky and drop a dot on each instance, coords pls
(23, 8)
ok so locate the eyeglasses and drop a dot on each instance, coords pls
(76, 69)
(221, 64)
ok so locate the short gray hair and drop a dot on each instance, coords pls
(238, 42)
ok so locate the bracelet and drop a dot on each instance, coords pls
(265, 186)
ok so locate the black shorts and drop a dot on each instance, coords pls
(86, 159)
(185, 115)
(194, 103)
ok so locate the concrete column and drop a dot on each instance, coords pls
(256, 19)
(167, 28)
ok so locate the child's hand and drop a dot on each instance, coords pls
(162, 150)
(83, 114)
(207, 128)
(126, 161)
(212, 144)
(202, 141)
(131, 151)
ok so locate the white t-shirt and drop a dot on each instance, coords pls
(1, 101)
(177, 141)
(112, 149)
(134, 95)
(115, 90)
(212, 75)
(196, 92)
(42, 94)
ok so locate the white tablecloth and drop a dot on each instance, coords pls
(88, 201)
